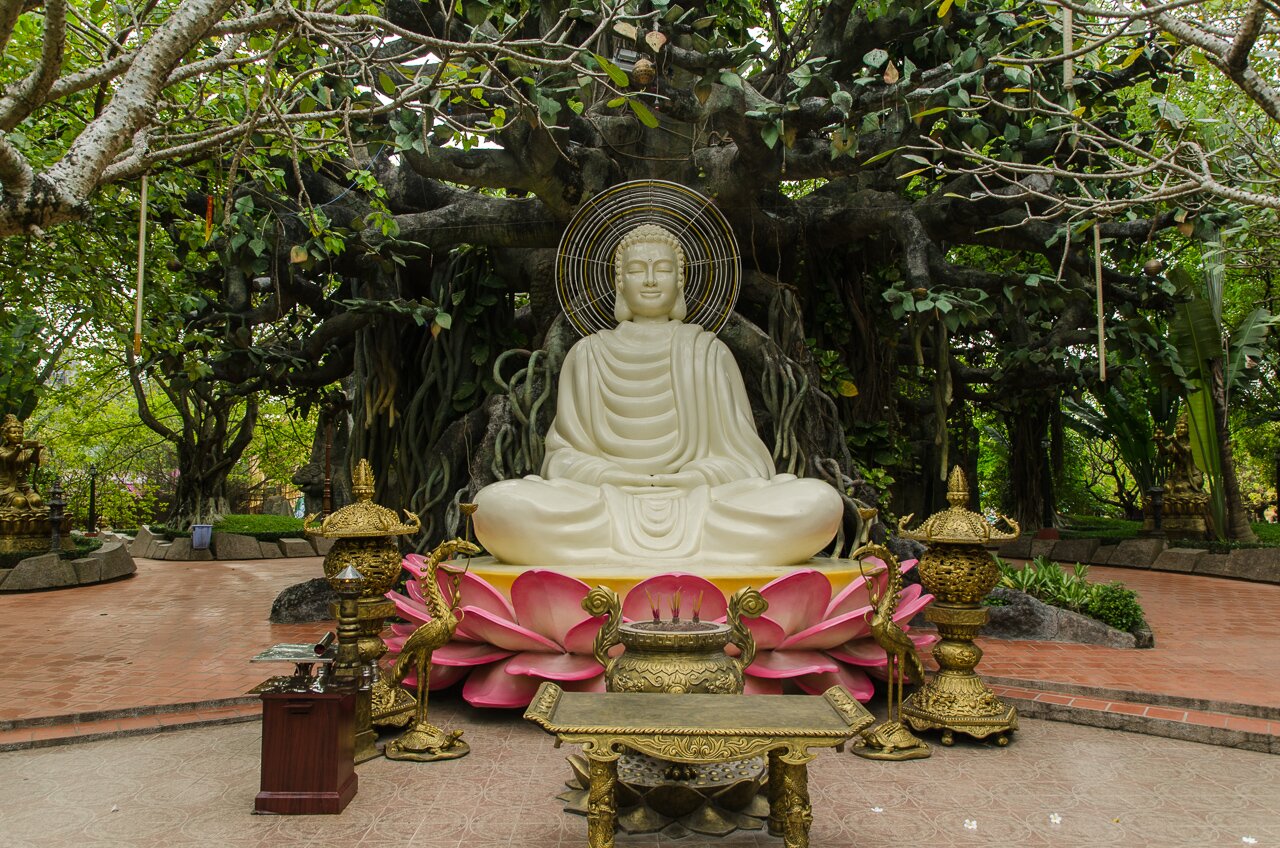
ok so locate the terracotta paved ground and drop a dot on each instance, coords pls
(183, 633)
(195, 789)
(1216, 639)
(175, 632)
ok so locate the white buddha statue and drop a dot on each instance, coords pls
(653, 458)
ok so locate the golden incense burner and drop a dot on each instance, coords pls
(684, 656)
(674, 656)
(365, 536)
(959, 572)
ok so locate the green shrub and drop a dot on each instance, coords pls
(1116, 605)
(1045, 580)
(264, 528)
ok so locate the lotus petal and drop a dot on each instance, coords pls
(554, 666)
(798, 599)
(767, 632)
(662, 589)
(442, 677)
(415, 564)
(854, 596)
(864, 652)
(487, 627)
(409, 608)
(781, 664)
(907, 564)
(830, 633)
(548, 602)
(491, 686)
(910, 602)
(479, 593)
(853, 679)
(753, 685)
(581, 638)
(467, 654)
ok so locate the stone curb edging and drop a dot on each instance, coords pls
(1155, 699)
(1185, 731)
(74, 739)
(127, 712)
(1258, 565)
(226, 546)
(50, 571)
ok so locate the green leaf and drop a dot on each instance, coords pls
(615, 73)
(642, 112)
(444, 319)
(769, 132)
(876, 58)
(386, 84)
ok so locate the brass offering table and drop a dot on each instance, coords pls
(701, 729)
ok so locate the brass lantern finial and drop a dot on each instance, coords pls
(957, 488)
(362, 481)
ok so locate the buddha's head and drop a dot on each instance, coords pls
(649, 276)
(11, 429)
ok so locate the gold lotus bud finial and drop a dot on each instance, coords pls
(468, 509)
(958, 525)
(364, 518)
(362, 481)
(957, 488)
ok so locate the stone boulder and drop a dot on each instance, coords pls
(43, 571)
(1179, 559)
(320, 543)
(1137, 553)
(296, 548)
(1025, 617)
(304, 602)
(116, 561)
(1019, 548)
(234, 546)
(144, 543)
(270, 550)
(1261, 565)
(1070, 551)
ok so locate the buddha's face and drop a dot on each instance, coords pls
(650, 280)
(13, 432)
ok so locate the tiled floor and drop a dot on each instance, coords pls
(1216, 639)
(173, 633)
(196, 788)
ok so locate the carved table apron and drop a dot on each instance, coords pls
(701, 729)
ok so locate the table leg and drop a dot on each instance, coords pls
(797, 814)
(775, 794)
(602, 811)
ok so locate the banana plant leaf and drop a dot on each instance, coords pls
(1247, 345)
(1202, 426)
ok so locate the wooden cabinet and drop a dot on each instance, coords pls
(308, 754)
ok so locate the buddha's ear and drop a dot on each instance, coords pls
(621, 311)
(679, 309)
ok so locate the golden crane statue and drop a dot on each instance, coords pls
(423, 741)
(891, 740)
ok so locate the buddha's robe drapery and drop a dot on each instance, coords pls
(662, 408)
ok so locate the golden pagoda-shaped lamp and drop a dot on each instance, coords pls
(959, 572)
(365, 537)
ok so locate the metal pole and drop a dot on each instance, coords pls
(92, 528)
(56, 506)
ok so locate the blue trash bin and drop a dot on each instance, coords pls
(201, 534)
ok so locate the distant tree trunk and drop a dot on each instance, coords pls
(1027, 462)
(1238, 527)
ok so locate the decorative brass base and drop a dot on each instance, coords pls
(956, 700)
(391, 705)
(33, 543)
(426, 743)
(960, 703)
(892, 741)
(366, 743)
